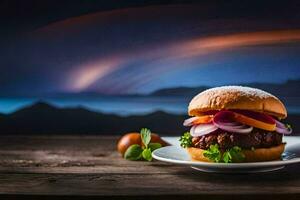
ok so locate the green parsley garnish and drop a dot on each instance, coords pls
(230, 155)
(233, 155)
(213, 153)
(186, 140)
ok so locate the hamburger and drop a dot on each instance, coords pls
(235, 124)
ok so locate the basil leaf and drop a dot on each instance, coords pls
(153, 146)
(147, 155)
(134, 152)
(146, 136)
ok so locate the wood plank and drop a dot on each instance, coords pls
(90, 166)
(146, 184)
(69, 155)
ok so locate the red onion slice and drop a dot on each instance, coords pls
(224, 121)
(281, 128)
(256, 115)
(202, 129)
(232, 124)
(234, 129)
(279, 124)
(189, 121)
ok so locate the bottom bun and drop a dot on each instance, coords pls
(257, 155)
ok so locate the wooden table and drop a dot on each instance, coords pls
(74, 167)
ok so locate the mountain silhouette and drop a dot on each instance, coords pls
(42, 118)
(291, 88)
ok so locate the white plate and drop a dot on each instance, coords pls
(177, 155)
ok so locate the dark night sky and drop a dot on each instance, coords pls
(117, 47)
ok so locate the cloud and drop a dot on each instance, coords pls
(132, 50)
(141, 68)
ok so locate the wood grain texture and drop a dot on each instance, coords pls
(74, 167)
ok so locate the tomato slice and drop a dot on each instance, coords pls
(253, 122)
(205, 119)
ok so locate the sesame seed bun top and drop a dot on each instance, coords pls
(237, 97)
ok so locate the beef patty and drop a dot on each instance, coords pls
(257, 138)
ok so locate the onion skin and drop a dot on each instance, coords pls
(135, 138)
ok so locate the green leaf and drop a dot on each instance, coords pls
(234, 154)
(227, 158)
(147, 155)
(134, 152)
(213, 153)
(186, 140)
(146, 136)
(237, 154)
(154, 146)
